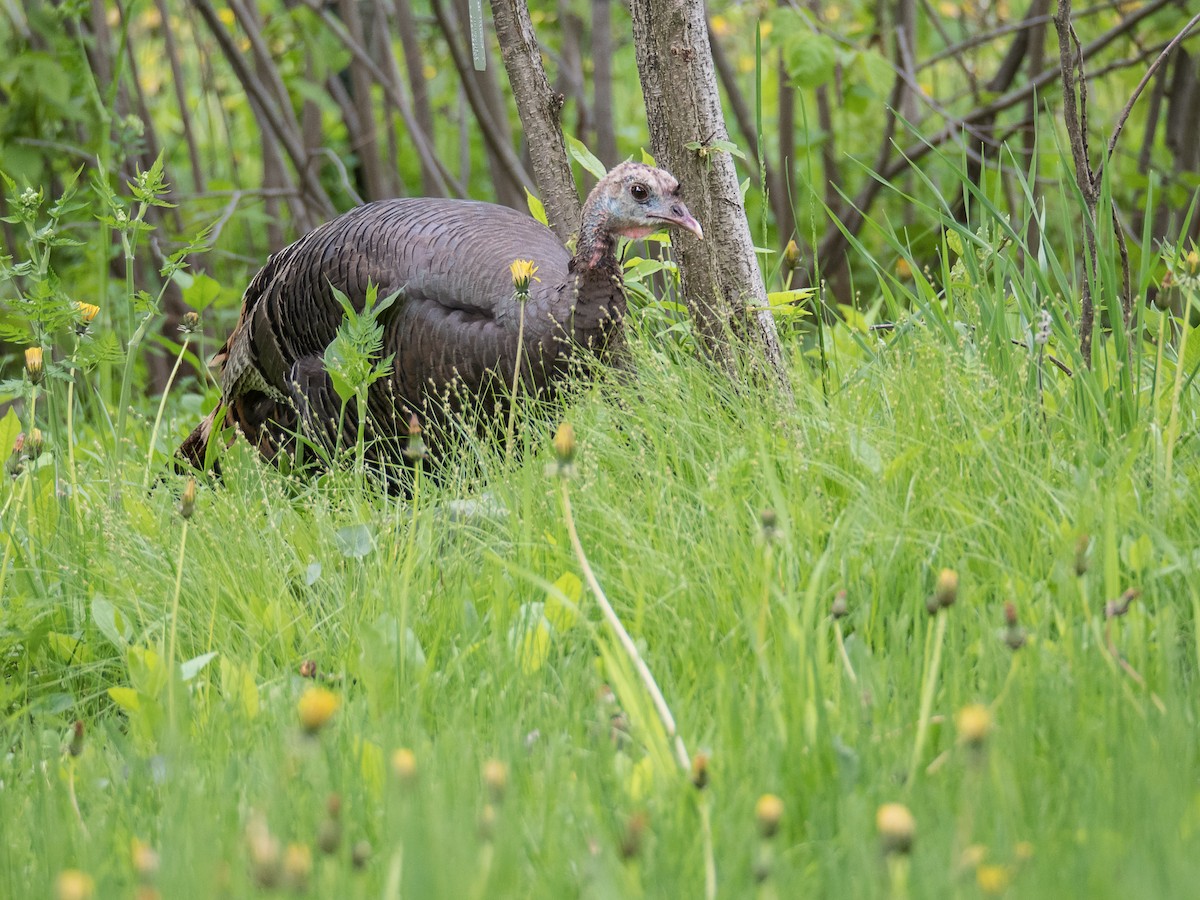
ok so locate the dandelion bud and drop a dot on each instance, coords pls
(329, 836)
(75, 747)
(896, 827)
(145, 859)
(931, 605)
(1114, 609)
(699, 771)
(187, 502)
(416, 448)
(770, 523)
(297, 867)
(1081, 554)
(768, 811)
(34, 364)
(308, 668)
(316, 707)
(495, 778)
(487, 822)
(360, 854)
(631, 840)
(791, 257)
(71, 884)
(34, 443)
(564, 443)
(266, 865)
(840, 607)
(404, 765)
(190, 323)
(1193, 261)
(946, 590)
(974, 723)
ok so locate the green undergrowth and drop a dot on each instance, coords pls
(722, 523)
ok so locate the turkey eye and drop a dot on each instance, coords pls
(640, 192)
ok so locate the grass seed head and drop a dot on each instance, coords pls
(897, 828)
(72, 884)
(316, 707)
(768, 812)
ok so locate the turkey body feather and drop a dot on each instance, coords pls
(453, 329)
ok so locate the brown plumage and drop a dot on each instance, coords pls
(453, 328)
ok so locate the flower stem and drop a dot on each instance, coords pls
(162, 403)
(928, 687)
(175, 625)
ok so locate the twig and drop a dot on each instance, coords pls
(1141, 86)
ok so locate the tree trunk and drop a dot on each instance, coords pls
(539, 107)
(722, 283)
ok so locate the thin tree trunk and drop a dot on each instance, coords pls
(539, 107)
(364, 142)
(602, 97)
(722, 283)
(501, 157)
(414, 65)
(185, 113)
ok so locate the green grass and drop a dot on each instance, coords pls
(927, 454)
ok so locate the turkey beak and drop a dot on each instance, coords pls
(680, 217)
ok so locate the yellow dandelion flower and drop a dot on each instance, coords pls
(87, 312)
(974, 723)
(72, 884)
(993, 880)
(316, 707)
(522, 271)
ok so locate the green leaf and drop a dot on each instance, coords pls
(190, 669)
(584, 157)
(810, 58)
(354, 541)
(10, 427)
(536, 208)
(562, 603)
(126, 698)
(201, 291)
(111, 623)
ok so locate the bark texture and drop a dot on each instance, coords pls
(540, 107)
(722, 283)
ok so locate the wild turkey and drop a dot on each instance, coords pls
(454, 326)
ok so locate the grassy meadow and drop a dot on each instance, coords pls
(310, 686)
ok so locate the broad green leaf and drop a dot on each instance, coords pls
(535, 647)
(353, 541)
(190, 669)
(585, 157)
(202, 291)
(10, 427)
(536, 208)
(126, 698)
(562, 603)
(111, 623)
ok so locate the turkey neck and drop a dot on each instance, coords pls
(599, 303)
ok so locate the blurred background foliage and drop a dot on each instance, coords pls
(270, 117)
